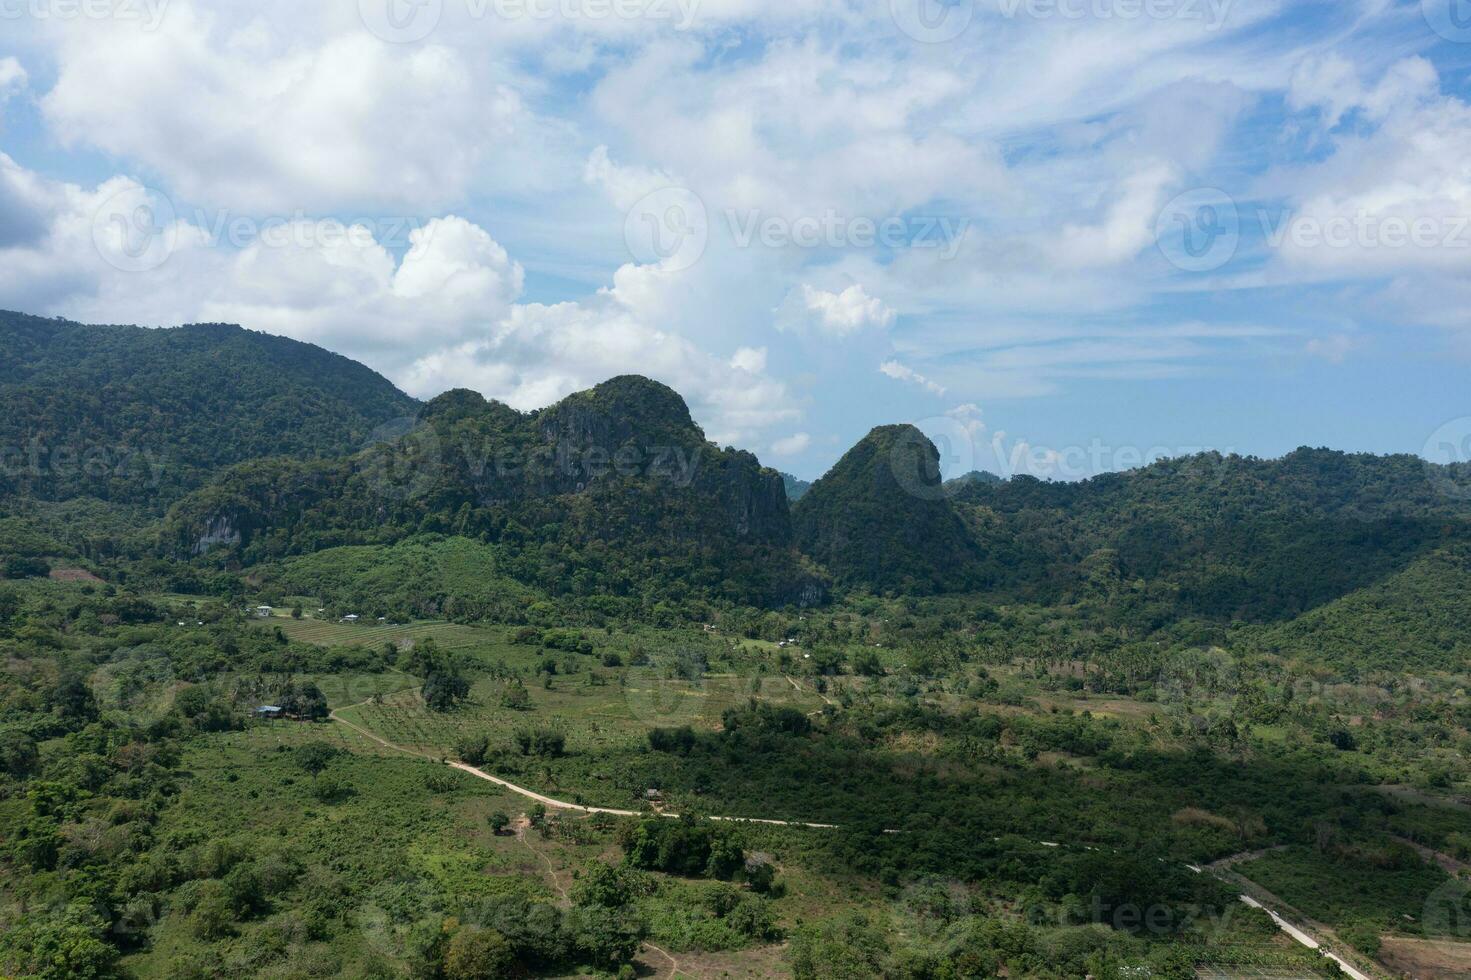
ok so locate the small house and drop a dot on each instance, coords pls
(264, 612)
(350, 618)
(653, 796)
(269, 711)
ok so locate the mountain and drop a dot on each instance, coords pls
(881, 519)
(796, 489)
(974, 476)
(1220, 537)
(259, 449)
(612, 490)
(1414, 619)
(141, 416)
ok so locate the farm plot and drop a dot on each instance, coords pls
(321, 632)
(617, 714)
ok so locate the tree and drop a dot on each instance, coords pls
(866, 663)
(27, 568)
(472, 748)
(313, 757)
(192, 701)
(212, 911)
(9, 605)
(515, 696)
(306, 701)
(478, 954)
(332, 789)
(443, 690)
(18, 754)
(610, 886)
(498, 822)
(67, 952)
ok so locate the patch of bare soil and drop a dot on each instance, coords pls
(747, 964)
(1426, 959)
(73, 575)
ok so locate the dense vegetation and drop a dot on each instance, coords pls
(1046, 730)
(141, 416)
(611, 491)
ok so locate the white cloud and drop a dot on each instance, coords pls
(791, 445)
(1055, 140)
(970, 418)
(839, 314)
(239, 116)
(13, 78)
(624, 186)
(899, 372)
(447, 314)
(752, 359)
(1392, 199)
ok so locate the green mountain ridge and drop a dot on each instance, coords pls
(618, 481)
(140, 416)
(616, 491)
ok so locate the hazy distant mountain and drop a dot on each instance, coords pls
(974, 476)
(796, 489)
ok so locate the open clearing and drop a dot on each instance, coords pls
(329, 633)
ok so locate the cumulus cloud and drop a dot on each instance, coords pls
(1393, 198)
(837, 314)
(230, 114)
(498, 142)
(969, 417)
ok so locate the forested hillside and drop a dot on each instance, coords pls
(1220, 537)
(140, 416)
(881, 519)
(613, 490)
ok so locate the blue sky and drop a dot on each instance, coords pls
(810, 217)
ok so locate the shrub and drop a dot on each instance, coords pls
(472, 748)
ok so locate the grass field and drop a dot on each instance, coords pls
(327, 633)
(397, 849)
(595, 717)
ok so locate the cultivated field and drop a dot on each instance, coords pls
(322, 632)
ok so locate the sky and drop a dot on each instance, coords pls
(1061, 236)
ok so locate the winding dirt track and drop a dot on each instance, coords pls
(1296, 932)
